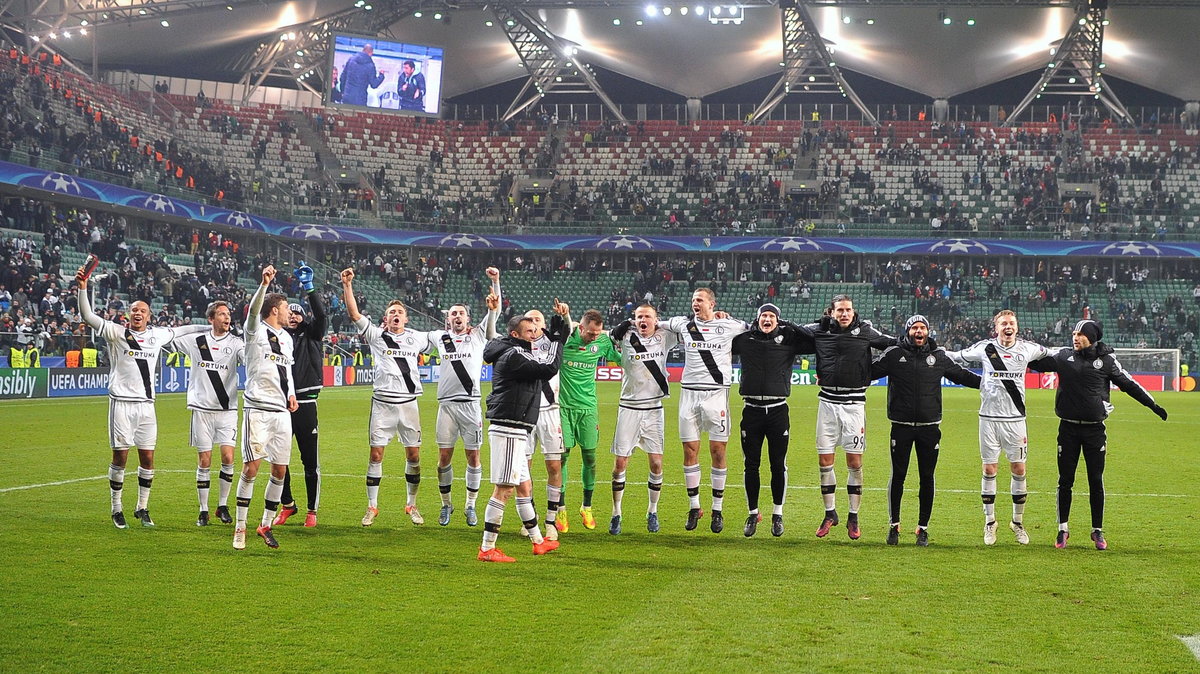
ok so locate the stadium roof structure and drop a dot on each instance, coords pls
(940, 49)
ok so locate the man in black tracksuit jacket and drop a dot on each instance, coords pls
(308, 337)
(1081, 403)
(512, 412)
(843, 346)
(915, 368)
(767, 353)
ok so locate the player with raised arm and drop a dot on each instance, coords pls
(587, 346)
(459, 414)
(133, 355)
(547, 431)
(640, 415)
(704, 402)
(512, 412)
(308, 339)
(843, 343)
(267, 404)
(1002, 415)
(212, 398)
(394, 411)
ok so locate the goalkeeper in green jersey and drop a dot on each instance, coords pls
(587, 347)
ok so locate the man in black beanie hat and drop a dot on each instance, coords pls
(914, 368)
(1085, 371)
(767, 354)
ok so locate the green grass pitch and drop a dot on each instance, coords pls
(81, 596)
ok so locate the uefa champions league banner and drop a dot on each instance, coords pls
(157, 205)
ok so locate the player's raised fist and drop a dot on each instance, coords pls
(347, 276)
(492, 273)
(268, 274)
(493, 302)
(561, 308)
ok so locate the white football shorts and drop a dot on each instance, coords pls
(642, 428)
(842, 426)
(508, 461)
(132, 424)
(460, 420)
(395, 420)
(704, 412)
(266, 435)
(1010, 436)
(213, 428)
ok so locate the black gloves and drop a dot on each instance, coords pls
(1162, 414)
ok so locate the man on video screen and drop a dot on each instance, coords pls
(410, 89)
(358, 74)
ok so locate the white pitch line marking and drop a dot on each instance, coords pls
(665, 484)
(1192, 642)
(53, 484)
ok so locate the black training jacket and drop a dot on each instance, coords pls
(844, 356)
(307, 338)
(767, 359)
(1083, 382)
(915, 380)
(517, 378)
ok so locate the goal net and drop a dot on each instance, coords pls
(1155, 369)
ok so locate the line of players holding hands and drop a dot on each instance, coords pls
(543, 392)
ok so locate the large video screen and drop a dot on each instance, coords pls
(383, 75)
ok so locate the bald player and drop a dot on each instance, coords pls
(133, 355)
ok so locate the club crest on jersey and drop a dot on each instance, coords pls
(930, 360)
(855, 331)
(779, 339)
(1097, 363)
(595, 349)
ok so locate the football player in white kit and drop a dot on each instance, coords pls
(268, 400)
(459, 414)
(640, 415)
(133, 355)
(548, 431)
(212, 398)
(704, 402)
(394, 411)
(1002, 415)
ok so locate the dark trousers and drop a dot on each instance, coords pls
(925, 439)
(304, 428)
(1090, 440)
(771, 424)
